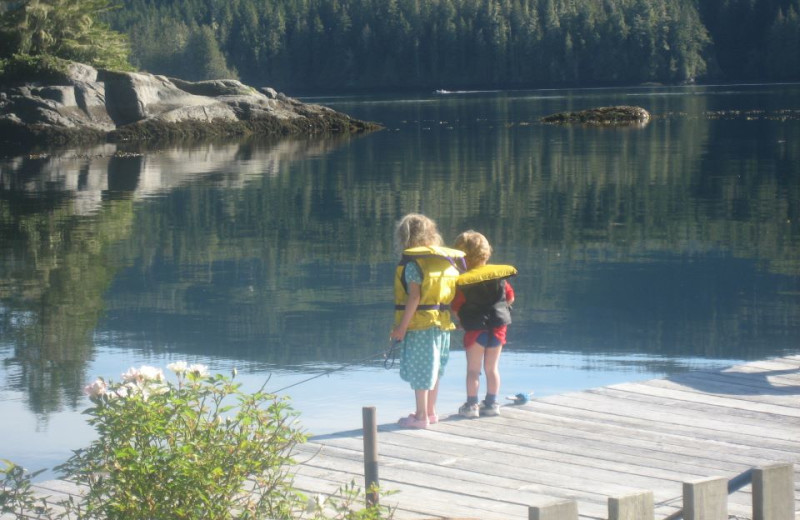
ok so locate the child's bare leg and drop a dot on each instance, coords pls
(422, 403)
(491, 364)
(432, 395)
(475, 355)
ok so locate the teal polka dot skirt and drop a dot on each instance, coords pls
(424, 356)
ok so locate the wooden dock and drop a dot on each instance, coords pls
(584, 446)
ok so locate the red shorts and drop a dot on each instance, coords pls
(486, 338)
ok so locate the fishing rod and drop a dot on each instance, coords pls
(388, 362)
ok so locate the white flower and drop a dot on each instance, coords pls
(151, 373)
(142, 374)
(128, 389)
(198, 370)
(179, 367)
(131, 375)
(158, 388)
(150, 389)
(95, 389)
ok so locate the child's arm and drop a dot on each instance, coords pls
(455, 305)
(509, 294)
(414, 296)
(458, 301)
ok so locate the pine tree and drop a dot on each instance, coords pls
(66, 29)
(783, 45)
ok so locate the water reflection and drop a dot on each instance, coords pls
(675, 241)
(62, 214)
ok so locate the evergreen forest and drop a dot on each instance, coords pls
(334, 45)
(329, 45)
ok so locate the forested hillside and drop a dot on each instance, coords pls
(314, 45)
(338, 44)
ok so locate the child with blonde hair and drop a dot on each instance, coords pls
(483, 304)
(424, 286)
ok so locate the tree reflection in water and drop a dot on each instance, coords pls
(676, 240)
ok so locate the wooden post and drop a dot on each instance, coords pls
(706, 499)
(638, 506)
(370, 454)
(773, 492)
(563, 510)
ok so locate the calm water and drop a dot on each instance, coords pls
(642, 252)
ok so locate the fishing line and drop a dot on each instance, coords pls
(387, 363)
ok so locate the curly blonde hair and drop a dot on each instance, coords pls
(475, 246)
(415, 230)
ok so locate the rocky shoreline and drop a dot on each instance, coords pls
(89, 105)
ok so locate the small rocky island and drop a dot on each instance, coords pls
(615, 115)
(89, 105)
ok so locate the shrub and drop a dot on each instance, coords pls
(22, 68)
(198, 448)
(16, 495)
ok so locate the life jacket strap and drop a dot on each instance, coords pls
(430, 307)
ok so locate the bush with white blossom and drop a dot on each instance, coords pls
(195, 448)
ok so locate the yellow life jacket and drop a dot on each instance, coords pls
(486, 272)
(440, 267)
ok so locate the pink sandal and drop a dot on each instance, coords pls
(412, 422)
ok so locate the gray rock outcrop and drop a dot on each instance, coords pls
(91, 105)
(614, 115)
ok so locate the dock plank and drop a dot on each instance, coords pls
(584, 446)
(680, 405)
(655, 411)
(683, 392)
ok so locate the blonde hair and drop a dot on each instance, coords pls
(475, 246)
(415, 230)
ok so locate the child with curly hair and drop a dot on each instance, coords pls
(483, 303)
